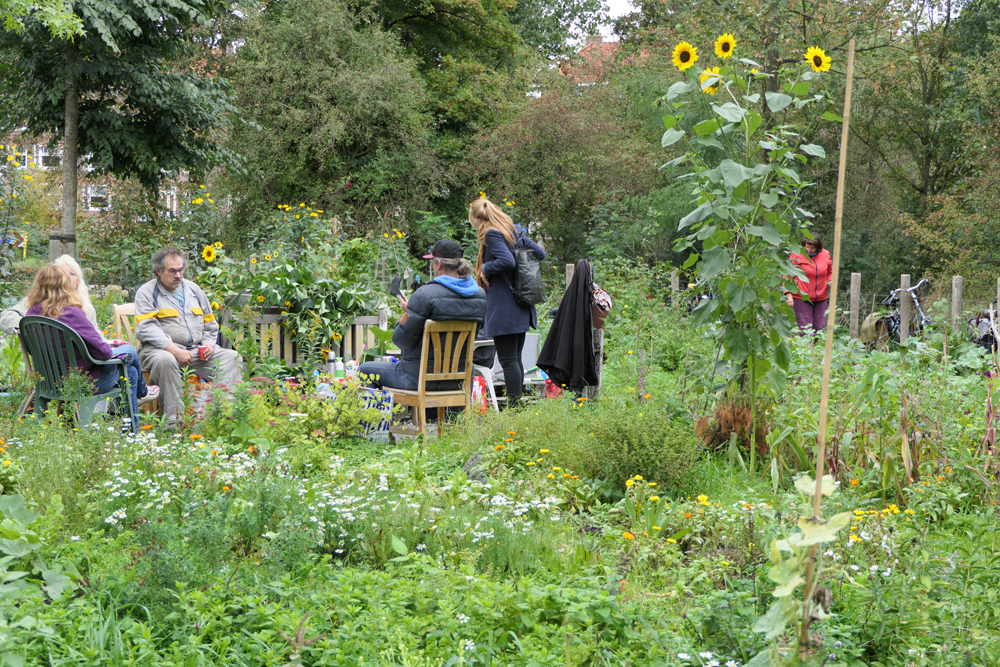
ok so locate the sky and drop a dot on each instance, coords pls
(616, 8)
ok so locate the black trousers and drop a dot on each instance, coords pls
(509, 350)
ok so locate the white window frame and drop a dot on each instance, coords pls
(42, 151)
(95, 192)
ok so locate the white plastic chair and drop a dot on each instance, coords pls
(486, 373)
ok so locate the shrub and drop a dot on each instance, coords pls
(631, 439)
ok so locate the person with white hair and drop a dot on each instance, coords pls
(11, 318)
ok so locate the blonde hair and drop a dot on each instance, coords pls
(484, 215)
(53, 290)
(82, 289)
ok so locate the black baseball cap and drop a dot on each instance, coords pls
(446, 249)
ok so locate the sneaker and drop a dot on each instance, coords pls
(152, 392)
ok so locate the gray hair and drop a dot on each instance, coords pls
(461, 266)
(160, 258)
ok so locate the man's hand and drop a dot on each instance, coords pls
(403, 302)
(209, 351)
(791, 301)
(182, 356)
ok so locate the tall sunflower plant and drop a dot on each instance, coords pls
(748, 199)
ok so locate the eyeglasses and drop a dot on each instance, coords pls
(175, 272)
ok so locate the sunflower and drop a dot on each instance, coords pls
(724, 45)
(704, 76)
(267, 258)
(208, 254)
(817, 57)
(253, 260)
(685, 55)
(218, 244)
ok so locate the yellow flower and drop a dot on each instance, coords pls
(253, 260)
(557, 468)
(652, 484)
(657, 528)
(314, 215)
(754, 70)
(653, 499)
(531, 463)
(218, 244)
(628, 536)
(629, 483)
(551, 476)
(543, 451)
(197, 201)
(267, 258)
(260, 299)
(671, 540)
(724, 46)
(208, 254)
(817, 57)
(215, 305)
(638, 478)
(8, 463)
(685, 55)
(706, 75)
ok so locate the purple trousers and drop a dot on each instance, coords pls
(809, 315)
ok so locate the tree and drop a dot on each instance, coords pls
(56, 15)
(112, 95)
(337, 110)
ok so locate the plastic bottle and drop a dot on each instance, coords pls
(350, 368)
(331, 363)
(338, 367)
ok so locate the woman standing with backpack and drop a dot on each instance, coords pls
(506, 320)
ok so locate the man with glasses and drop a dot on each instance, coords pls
(176, 327)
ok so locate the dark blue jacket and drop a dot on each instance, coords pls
(434, 301)
(503, 314)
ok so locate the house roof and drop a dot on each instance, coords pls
(595, 61)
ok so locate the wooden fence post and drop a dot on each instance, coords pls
(855, 303)
(956, 304)
(904, 308)
(675, 288)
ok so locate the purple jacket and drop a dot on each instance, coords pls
(76, 320)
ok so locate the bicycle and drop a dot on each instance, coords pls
(880, 328)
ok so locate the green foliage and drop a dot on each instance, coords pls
(160, 118)
(352, 130)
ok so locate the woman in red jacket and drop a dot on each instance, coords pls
(813, 295)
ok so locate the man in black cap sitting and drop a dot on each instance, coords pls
(452, 295)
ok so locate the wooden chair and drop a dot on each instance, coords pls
(124, 322)
(451, 341)
(46, 339)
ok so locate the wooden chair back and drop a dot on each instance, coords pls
(450, 341)
(452, 344)
(124, 322)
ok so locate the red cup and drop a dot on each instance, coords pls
(203, 353)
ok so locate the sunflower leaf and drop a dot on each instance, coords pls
(710, 141)
(813, 149)
(706, 127)
(752, 99)
(752, 121)
(680, 88)
(809, 76)
(671, 137)
(829, 115)
(695, 216)
(769, 200)
(669, 121)
(801, 88)
(673, 163)
(714, 261)
(747, 61)
(733, 173)
(730, 112)
(777, 101)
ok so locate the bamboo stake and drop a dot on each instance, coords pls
(807, 603)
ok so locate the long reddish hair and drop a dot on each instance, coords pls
(54, 291)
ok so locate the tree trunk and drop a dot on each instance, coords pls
(64, 243)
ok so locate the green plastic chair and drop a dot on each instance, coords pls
(55, 350)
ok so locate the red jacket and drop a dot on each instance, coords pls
(819, 273)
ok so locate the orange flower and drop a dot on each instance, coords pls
(498, 447)
(146, 427)
(687, 515)
(195, 436)
(628, 536)
(509, 440)
(225, 488)
(854, 482)
(511, 432)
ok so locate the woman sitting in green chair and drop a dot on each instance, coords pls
(52, 295)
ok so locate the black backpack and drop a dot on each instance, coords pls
(527, 287)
